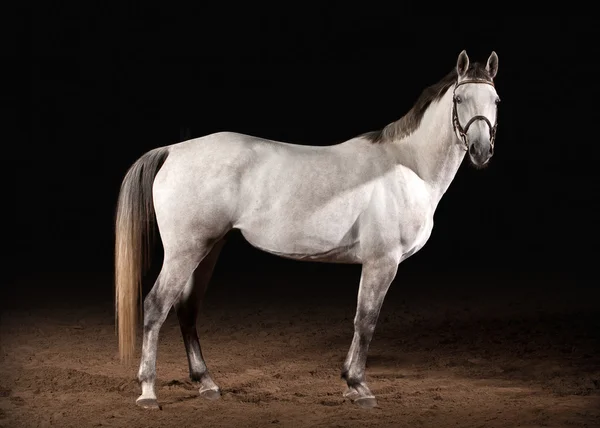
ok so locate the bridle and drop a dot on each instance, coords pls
(463, 131)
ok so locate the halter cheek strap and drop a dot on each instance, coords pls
(456, 123)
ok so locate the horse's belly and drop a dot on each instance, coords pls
(328, 242)
(304, 226)
(321, 235)
(342, 253)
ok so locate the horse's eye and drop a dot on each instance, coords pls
(497, 100)
(458, 99)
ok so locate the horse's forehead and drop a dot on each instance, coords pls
(478, 89)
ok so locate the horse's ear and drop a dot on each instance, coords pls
(463, 63)
(492, 64)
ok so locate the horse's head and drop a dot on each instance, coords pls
(474, 112)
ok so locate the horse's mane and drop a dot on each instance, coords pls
(408, 123)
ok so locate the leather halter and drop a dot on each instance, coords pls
(463, 131)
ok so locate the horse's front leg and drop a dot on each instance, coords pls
(376, 277)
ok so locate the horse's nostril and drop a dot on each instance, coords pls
(472, 149)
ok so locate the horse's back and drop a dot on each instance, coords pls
(283, 197)
(210, 174)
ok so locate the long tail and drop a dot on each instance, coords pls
(134, 230)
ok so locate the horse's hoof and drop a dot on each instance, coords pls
(148, 403)
(351, 393)
(210, 394)
(366, 402)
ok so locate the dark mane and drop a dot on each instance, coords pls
(408, 123)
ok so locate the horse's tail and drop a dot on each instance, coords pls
(134, 229)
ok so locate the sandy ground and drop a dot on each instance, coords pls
(448, 352)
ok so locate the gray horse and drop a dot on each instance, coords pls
(369, 200)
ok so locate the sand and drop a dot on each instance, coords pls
(449, 351)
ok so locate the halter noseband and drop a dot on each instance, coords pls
(463, 131)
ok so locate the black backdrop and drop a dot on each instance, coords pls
(108, 84)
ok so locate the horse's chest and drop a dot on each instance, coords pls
(411, 209)
(415, 230)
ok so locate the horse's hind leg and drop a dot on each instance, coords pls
(188, 308)
(177, 268)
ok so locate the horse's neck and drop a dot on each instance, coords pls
(433, 150)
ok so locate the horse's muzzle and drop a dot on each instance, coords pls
(480, 152)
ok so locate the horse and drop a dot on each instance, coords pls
(369, 200)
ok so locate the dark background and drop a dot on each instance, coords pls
(108, 84)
